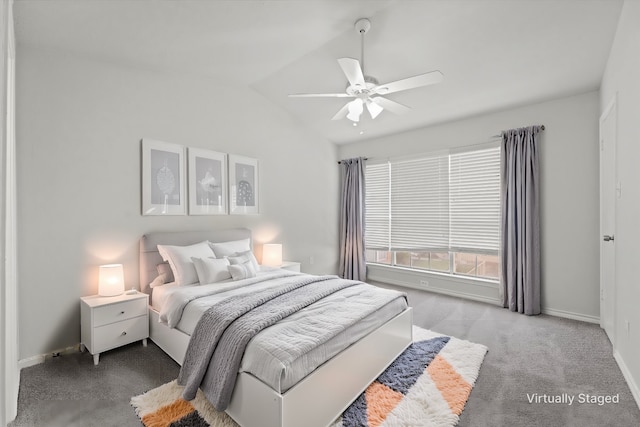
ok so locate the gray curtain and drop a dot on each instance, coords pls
(520, 228)
(352, 209)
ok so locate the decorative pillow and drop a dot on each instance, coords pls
(230, 248)
(242, 257)
(211, 270)
(165, 268)
(242, 271)
(159, 281)
(179, 258)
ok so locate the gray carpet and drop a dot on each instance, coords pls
(542, 354)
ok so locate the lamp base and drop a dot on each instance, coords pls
(107, 294)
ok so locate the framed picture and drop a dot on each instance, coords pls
(207, 182)
(163, 178)
(244, 192)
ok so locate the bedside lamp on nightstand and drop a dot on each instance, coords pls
(272, 254)
(272, 257)
(111, 280)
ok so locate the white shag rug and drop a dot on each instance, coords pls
(428, 385)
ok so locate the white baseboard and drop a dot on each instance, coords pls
(31, 361)
(481, 298)
(38, 359)
(571, 315)
(633, 386)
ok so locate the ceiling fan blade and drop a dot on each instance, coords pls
(393, 106)
(374, 109)
(425, 79)
(353, 71)
(342, 113)
(320, 95)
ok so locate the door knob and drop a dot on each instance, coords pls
(608, 238)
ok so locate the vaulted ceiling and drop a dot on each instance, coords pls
(494, 54)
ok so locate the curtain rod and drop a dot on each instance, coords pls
(340, 161)
(499, 135)
(494, 136)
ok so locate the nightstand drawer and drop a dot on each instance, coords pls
(111, 313)
(117, 334)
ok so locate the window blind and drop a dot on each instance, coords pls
(440, 202)
(420, 204)
(475, 200)
(377, 206)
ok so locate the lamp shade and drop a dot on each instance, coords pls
(272, 254)
(355, 109)
(111, 280)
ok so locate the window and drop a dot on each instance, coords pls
(437, 212)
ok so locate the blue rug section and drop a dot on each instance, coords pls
(190, 420)
(400, 376)
(403, 373)
(356, 414)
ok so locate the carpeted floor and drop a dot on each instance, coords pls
(527, 355)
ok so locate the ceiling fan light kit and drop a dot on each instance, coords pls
(366, 89)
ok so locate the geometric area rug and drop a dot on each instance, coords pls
(427, 385)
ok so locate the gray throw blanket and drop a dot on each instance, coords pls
(218, 342)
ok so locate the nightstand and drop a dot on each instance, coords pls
(111, 322)
(291, 266)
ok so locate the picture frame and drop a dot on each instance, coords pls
(244, 189)
(207, 182)
(163, 178)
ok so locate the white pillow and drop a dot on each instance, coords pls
(242, 271)
(243, 257)
(230, 248)
(211, 270)
(179, 258)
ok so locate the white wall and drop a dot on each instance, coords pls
(79, 128)
(569, 196)
(621, 77)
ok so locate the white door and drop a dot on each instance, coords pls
(609, 192)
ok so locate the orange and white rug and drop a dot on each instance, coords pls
(427, 385)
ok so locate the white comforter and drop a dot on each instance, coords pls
(286, 352)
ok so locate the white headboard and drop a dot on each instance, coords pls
(150, 257)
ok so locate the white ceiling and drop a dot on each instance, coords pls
(494, 54)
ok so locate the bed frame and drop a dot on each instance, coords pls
(319, 398)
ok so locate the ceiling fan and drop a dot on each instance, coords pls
(366, 90)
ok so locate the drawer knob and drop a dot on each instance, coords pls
(122, 312)
(124, 333)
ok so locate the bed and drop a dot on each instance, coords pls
(319, 396)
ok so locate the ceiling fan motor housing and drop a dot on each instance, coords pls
(363, 92)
